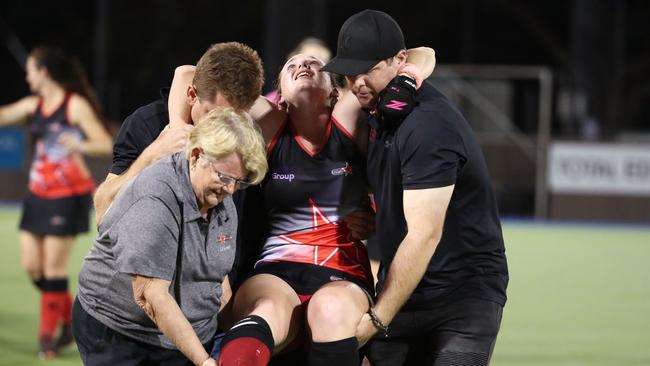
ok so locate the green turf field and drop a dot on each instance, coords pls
(578, 295)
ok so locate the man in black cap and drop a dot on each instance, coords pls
(442, 283)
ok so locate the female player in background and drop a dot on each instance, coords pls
(64, 124)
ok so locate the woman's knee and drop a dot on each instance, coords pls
(334, 307)
(277, 310)
(277, 314)
(31, 255)
(56, 255)
(32, 265)
(269, 307)
(55, 268)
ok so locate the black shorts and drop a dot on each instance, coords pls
(59, 216)
(463, 332)
(306, 279)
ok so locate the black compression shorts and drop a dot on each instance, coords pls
(306, 279)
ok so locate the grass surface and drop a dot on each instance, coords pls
(578, 295)
(19, 300)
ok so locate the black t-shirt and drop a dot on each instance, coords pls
(435, 147)
(137, 132)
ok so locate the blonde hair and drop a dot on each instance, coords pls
(224, 131)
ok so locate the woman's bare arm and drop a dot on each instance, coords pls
(424, 58)
(153, 297)
(98, 142)
(18, 111)
(179, 109)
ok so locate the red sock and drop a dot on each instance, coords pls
(244, 352)
(55, 305)
(51, 305)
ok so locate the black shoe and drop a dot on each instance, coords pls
(65, 337)
(48, 350)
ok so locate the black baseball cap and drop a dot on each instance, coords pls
(365, 39)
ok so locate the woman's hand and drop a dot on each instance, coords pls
(424, 58)
(209, 362)
(153, 297)
(71, 142)
(173, 138)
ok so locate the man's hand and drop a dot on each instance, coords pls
(365, 330)
(361, 224)
(171, 139)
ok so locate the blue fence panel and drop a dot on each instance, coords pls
(12, 148)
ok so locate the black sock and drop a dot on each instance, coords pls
(54, 284)
(38, 283)
(343, 352)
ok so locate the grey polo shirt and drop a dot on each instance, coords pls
(140, 235)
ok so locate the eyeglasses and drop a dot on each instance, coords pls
(226, 179)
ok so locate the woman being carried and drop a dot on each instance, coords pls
(311, 273)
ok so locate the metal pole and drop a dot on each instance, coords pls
(543, 139)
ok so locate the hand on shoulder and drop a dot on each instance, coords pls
(172, 138)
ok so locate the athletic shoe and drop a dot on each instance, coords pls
(48, 350)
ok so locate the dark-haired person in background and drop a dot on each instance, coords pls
(65, 125)
(442, 283)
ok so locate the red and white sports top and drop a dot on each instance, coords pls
(56, 173)
(307, 195)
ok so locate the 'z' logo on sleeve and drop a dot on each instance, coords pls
(396, 105)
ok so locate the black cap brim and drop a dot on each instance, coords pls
(348, 67)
